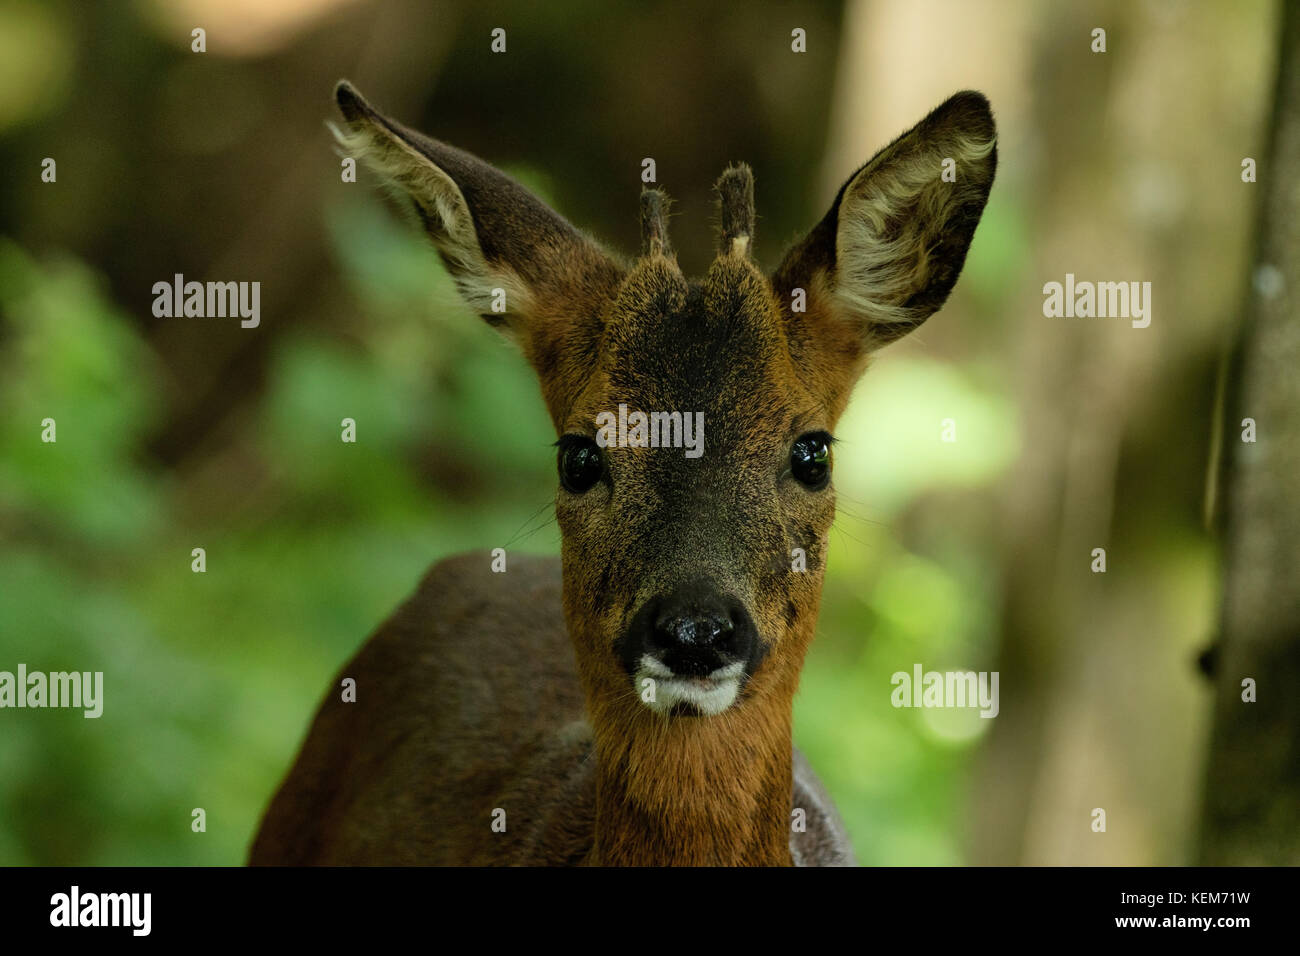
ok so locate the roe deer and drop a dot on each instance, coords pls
(630, 703)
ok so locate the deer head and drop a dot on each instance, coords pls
(692, 582)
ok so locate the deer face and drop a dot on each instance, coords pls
(695, 418)
(682, 560)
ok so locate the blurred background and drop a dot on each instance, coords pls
(175, 434)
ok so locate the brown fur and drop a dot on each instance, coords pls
(505, 690)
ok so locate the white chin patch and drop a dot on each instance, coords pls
(708, 695)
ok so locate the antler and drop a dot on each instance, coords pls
(654, 223)
(735, 189)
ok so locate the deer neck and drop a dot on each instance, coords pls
(693, 790)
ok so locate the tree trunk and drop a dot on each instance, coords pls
(1252, 803)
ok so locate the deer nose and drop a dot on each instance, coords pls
(691, 630)
(695, 633)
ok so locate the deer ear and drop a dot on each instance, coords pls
(886, 255)
(516, 262)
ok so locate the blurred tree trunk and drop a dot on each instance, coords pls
(1136, 154)
(1252, 804)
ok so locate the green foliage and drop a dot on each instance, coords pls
(210, 678)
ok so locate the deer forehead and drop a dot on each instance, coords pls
(717, 345)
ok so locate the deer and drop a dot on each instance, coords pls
(630, 702)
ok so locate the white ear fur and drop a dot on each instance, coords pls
(889, 219)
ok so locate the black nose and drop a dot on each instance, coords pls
(695, 629)
(682, 628)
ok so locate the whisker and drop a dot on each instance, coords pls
(529, 534)
(848, 513)
(851, 537)
(528, 521)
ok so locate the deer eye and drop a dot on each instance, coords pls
(810, 459)
(581, 463)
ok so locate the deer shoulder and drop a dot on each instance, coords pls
(467, 703)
